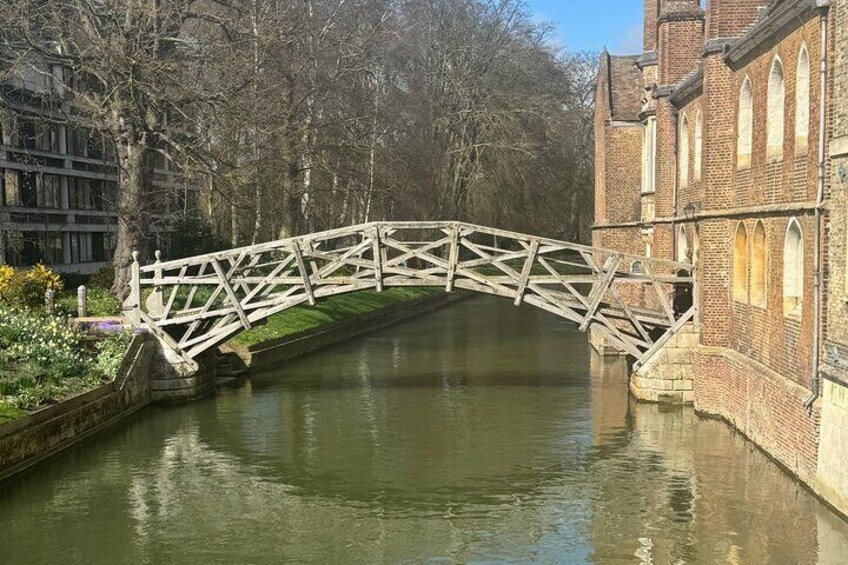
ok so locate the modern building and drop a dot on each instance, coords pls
(714, 145)
(57, 179)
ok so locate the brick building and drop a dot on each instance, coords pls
(732, 161)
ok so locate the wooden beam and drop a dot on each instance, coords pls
(525, 272)
(231, 293)
(641, 360)
(376, 251)
(663, 299)
(600, 290)
(307, 283)
(245, 271)
(453, 256)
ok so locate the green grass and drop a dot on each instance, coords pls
(99, 302)
(329, 310)
(10, 412)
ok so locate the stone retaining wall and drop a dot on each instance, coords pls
(46, 432)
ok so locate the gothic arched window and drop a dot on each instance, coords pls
(682, 246)
(759, 265)
(802, 101)
(699, 144)
(745, 125)
(776, 105)
(740, 263)
(793, 268)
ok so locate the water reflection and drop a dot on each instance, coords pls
(479, 433)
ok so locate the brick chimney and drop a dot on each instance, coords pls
(649, 21)
(680, 39)
(730, 18)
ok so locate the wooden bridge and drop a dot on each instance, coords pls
(198, 303)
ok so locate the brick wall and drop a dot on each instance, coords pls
(753, 367)
(729, 18)
(622, 174)
(836, 277)
(780, 342)
(831, 472)
(649, 25)
(680, 46)
(600, 119)
(763, 405)
(666, 159)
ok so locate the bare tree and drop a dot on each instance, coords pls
(297, 116)
(126, 76)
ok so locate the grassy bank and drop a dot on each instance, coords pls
(329, 310)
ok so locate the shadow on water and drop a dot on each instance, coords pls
(481, 432)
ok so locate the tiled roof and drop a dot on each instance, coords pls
(625, 87)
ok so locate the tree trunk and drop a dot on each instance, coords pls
(134, 183)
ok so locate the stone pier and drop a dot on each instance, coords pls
(667, 376)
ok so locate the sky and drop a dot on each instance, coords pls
(592, 24)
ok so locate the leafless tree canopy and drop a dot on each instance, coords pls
(288, 116)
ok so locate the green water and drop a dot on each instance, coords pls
(481, 433)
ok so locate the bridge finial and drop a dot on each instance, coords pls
(158, 255)
(135, 256)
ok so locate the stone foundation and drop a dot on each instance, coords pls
(831, 479)
(176, 381)
(765, 406)
(667, 376)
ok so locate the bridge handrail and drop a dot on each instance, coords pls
(359, 228)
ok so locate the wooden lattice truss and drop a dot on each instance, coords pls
(198, 303)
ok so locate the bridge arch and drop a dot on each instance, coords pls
(197, 303)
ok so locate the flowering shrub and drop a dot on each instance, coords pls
(6, 274)
(27, 288)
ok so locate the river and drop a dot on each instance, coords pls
(480, 433)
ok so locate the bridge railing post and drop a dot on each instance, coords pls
(155, 302)
(82, 301)
(132, 305)
(377, 251)
(453, 258)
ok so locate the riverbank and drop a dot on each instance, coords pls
(34, 436)
(27, 437)
(304, 329)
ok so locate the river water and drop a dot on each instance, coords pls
(480, 433)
